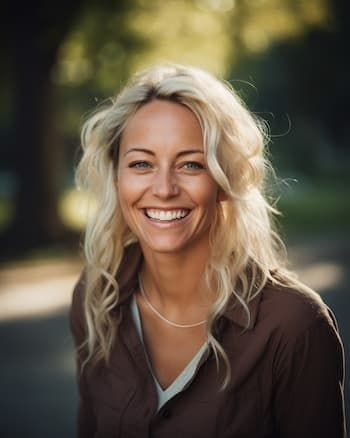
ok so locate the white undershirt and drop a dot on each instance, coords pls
(186, 374)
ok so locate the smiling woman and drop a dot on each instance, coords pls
(185, 318)
(166, 193)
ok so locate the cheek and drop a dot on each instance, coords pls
(125, 205)
(124, 196)
(122, 191)
(129, 194)
(126, 188)
(208, 193)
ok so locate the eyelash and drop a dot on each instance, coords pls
(194, 165)
(188, 165)
(139, 165)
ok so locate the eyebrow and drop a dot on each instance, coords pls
(179, 154)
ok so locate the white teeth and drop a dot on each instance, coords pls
(168, 215)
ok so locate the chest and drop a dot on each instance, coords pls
(200, 410)
(170, 351)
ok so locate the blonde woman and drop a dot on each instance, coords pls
(186, 321)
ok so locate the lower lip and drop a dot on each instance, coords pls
(166, 224)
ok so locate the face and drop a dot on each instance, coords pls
(166, 192)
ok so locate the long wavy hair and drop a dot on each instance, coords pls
(246, 252)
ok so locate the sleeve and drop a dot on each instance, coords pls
(309, 382)
(86, 417)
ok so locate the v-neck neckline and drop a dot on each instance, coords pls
(187, 372)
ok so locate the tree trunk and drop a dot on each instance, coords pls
(35, 34)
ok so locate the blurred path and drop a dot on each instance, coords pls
(37, 386)
(37, 362)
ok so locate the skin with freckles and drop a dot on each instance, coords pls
(167, 194)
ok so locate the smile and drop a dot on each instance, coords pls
(166, 215)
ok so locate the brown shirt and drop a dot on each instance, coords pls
(287, 374)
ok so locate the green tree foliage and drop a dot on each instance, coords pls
(301, 88)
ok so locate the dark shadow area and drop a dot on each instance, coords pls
(38, 393)
(339, 301)
(336, 251)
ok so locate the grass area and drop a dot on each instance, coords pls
(316, 210)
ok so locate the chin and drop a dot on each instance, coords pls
(169, 246)
(163, 248)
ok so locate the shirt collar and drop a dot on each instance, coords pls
(238, 315)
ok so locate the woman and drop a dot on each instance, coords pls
(186, 321)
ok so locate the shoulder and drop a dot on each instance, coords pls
(300, 327)
(293, 311)
(78, 293)
(305, 359)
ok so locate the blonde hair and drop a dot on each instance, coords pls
(245, 250)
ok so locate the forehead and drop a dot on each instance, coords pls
(162, 122)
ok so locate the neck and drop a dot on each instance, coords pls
(176, 280)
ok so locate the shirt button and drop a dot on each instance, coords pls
(166, 413)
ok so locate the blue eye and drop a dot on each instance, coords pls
(139, 165)
(193, 165)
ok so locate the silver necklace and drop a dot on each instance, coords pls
(155, 311)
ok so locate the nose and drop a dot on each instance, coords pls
(165, 184)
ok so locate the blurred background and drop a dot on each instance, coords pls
(288, 59)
